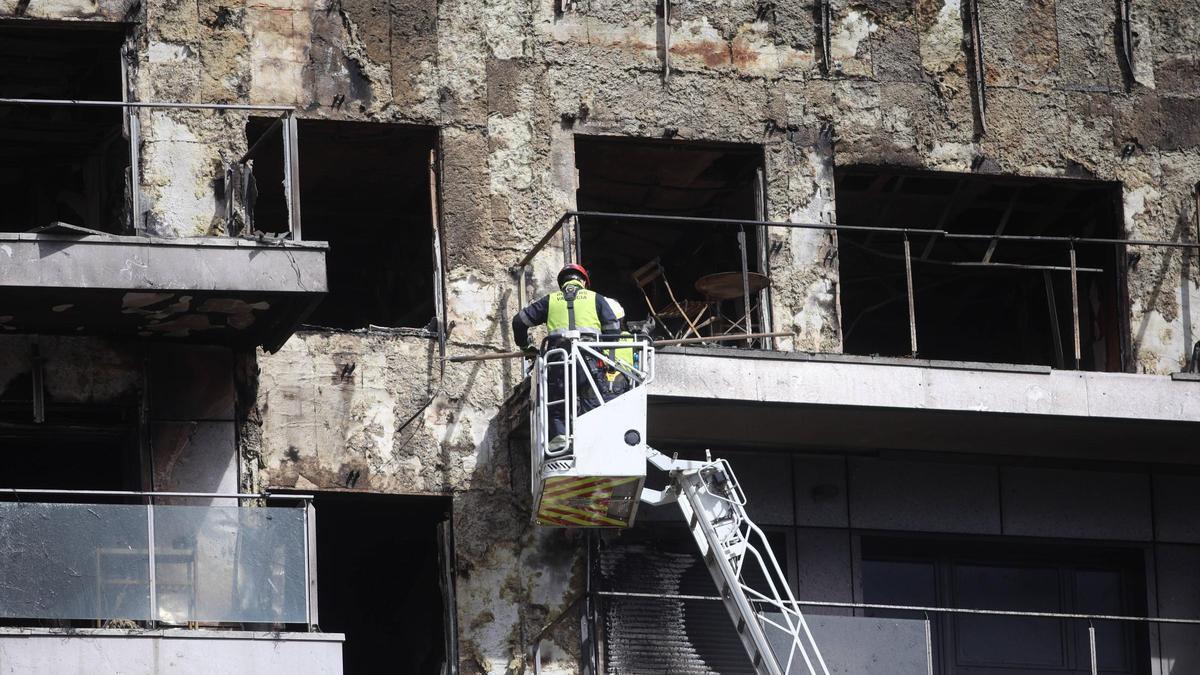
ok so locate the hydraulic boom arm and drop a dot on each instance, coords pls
(767, 618)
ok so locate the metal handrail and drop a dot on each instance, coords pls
(149, 493)
(145, 104)
(304, 503)
(1092, 663)
(286, 122)
(850, 228)
(921, 608)
(572, 251)
(567, 359)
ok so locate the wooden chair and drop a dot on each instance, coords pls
(691, 312)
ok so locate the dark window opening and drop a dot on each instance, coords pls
(76, 447)
(973, 313)
(62, 163)
(365, 189)
(378, 579)
(669, 178)
(1055, 578)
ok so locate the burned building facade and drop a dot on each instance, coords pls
(966, 228)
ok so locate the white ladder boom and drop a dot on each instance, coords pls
(767, 619)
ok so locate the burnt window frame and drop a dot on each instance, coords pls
(123, 215)
(757, 236)
(1120, 357)
(251, 187)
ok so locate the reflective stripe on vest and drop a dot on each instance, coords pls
(576, 313)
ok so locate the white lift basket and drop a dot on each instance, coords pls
(596, 479)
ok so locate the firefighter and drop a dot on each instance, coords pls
(572, 312)
(616, 381)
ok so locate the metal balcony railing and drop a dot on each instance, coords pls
(865, 639)
(156, 563)
(238, 176)
(567, 227)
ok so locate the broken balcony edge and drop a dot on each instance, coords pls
(200, 289)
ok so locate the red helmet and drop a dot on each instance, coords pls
(573, 271)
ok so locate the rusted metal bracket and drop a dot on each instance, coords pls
(975, 35)
(39, 384)
(1075, 306)
(824, 30)
(1125, 36)
(666, 20)
(912, 310)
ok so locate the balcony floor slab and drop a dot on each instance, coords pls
(769, 399)
(210, 289)
(50, 651)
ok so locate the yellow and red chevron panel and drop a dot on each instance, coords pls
(587, 501)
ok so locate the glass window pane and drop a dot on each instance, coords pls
(216, 563)
(74, 561)
(1008, 641)
(1100, 592)
(899, 582)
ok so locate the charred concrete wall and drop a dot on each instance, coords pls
(509, 83)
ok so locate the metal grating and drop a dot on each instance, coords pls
(652, 636)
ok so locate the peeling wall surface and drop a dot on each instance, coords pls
(509, 83)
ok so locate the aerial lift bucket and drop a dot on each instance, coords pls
(596, 479)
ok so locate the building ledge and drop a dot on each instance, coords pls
(57, 651)
(172, 633)
(207, 289)
(837, 380)
(762, 354)
(771, 399)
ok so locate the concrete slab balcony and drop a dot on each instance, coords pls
(741, 398)
(204, 289)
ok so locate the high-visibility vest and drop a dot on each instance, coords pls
(624, 355)
(573, 309)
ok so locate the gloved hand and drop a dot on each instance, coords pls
(530, 351)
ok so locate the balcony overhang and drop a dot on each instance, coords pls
(77, 651)
(205, 289)
(742, 398)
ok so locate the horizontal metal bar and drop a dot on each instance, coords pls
(1000, 612)
(144, 493)
(1077, 240)
(766, 223)
(843, 228)
(656, 596)
(920, 608)
(1011, 266)
(484, 357)
(864, 228)
(722, 338)
(144, 104)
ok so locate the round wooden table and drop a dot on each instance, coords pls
(728, 285)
